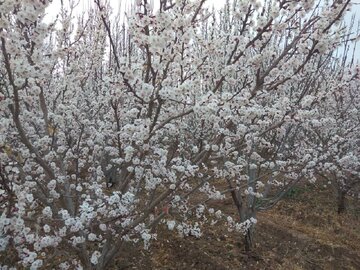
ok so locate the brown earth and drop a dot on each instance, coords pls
(301, 232)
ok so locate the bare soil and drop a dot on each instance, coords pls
(302, 232)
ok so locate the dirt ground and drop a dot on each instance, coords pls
(301, 232)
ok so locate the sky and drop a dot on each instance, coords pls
(122, 5)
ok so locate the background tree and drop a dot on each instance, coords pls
(333, 133)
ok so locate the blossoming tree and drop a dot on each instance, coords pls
(108, 129)
(271, 63)
(331, 135)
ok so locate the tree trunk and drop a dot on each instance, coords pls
(341, 201)
(248, 239)
(244, 214)
(249, 208)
